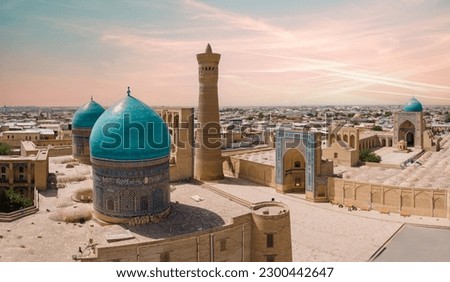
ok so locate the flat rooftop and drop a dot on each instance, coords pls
(417, 243)
(263, 157)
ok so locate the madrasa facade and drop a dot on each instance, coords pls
(135, 152)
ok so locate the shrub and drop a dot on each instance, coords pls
(11, 201)
(5, 149)
(367, 156)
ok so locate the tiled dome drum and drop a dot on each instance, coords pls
(82, 123)
(130, 148)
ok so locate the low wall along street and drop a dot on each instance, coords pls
(387, 198)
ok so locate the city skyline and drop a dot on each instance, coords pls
(294, 53)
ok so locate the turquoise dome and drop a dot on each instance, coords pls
(129, 131)
(87, 115)
(413, 106)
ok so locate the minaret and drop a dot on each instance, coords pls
(208, 155)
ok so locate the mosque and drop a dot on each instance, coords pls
(131, 149)
(343, 144)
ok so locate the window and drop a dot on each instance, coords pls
(335, 155)
(144, 204)
(270, 258)
(110, 204)
(3, 169)
(297, 164)
(269, 241)
(164, 257)
(223, 245)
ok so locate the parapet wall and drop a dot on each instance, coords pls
(226, 243)
(388, 198)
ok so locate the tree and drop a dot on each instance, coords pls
(377, 128)
(367, 156)
(11, 201)
(447, 118)
(5, 149)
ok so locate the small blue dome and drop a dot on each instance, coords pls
(87, 115)
(129, 131)
(413, 106)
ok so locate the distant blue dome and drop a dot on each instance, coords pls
(413, 106)
(129, 131)
(87, 115)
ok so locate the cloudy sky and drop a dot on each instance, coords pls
(295, 52)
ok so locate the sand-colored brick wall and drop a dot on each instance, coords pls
(200, 246)
(388, 198)
(256, 172)
(271, 218)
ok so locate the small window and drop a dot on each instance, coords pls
(3, 169)
(223, 245)
(297, 164)
(269, 240)
(270, 258)
(110, 204)
(335, 155)
(164, 257)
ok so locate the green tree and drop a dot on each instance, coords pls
(367, 156)
(5, 149)
(11, 201)
(447, 118)
(377, 128)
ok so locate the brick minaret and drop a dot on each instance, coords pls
(208, 156)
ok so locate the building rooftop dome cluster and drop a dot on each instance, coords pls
(127, 131)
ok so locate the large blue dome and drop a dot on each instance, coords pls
(87, 115)
(129, 131)
(413, 106)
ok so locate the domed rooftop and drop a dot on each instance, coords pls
(129, 131)
(413, 106)
(87, 115)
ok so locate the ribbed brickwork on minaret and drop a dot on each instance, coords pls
(208, 156)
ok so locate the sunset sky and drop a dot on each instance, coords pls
(273, 52)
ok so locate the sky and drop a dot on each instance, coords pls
(273, 53)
